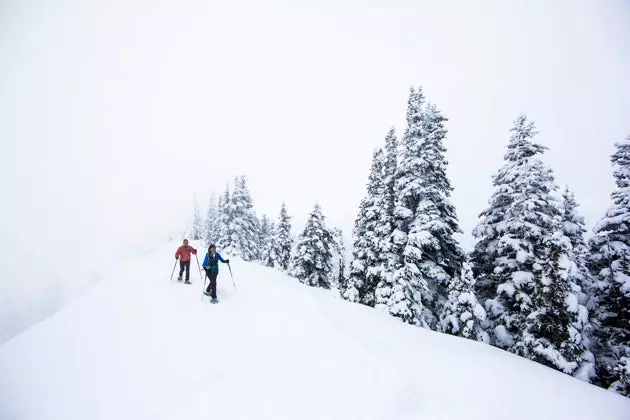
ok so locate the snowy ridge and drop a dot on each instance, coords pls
(139, 347)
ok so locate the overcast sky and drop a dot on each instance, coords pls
(115, 113)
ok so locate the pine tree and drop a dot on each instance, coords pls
(265, 238)
(610, 266)
(407, 284)
(212, 221)
(386, 225)
(550, 335)
(281, 243)
(341, 282)
(428, 256)
(197, 225)
(365, 267)
(522, 260)
(224, 217)
(462, 315)
(510, 239)
(573, 228)
(312, 262)
(242, 234)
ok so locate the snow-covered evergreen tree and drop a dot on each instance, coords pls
(511, 234)
(610, 266)
(224, 217)
(462, 315)
(386, 225)
(197, 224)
(281, 242)
(265, 239)
(428, 254)
(312, 262)
(212, 221)
(243, 227)
(573, 228)
(522, 260)
(366, 264)
(340, 280)
(552, 333)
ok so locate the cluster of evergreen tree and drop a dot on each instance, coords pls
(279, 244)
(526, 265)
(318, 258)
(609, 263)
(532, 285)
(405, 255)
(232, 225)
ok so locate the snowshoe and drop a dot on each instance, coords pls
(215, 300)
(187, 282)
(179, 279)
(206, 293)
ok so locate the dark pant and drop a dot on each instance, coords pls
(212, 286)
(184, 265)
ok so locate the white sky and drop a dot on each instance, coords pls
(114, 113)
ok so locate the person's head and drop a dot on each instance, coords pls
(212, 249)
(185, 242)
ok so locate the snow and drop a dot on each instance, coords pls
(140, 347)
(502, 336)
(507, 288)
(521, 278)
(479, 312)
(572, 302)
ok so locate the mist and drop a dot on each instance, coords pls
(115, 114)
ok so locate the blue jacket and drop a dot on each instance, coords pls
(210, 263)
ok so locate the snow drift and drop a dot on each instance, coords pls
(139, 347)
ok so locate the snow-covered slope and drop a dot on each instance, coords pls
(139, 347)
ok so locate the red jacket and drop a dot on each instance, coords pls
(184, 251)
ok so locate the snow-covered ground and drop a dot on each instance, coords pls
(139, 347)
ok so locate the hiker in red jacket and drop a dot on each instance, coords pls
(183, 255)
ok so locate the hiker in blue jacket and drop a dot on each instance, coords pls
(211, 266)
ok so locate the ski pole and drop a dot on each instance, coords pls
(173, 272)
(231, 275)
(204, 286)
(200, 275)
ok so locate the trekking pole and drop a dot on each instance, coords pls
(200, 275)
(204, 286)
(233, 284)
(173, 272)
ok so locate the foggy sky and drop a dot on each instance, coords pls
(114, 114)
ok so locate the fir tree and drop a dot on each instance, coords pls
(523, 260)
(462, 315)
(550, 335)
(197, 225)
(511, 234)
(212, 221)
(386, 224)
(341, 282)
(365, 267)
(428, 255)
(265, 238)
(312, 262)
(610, 266)
(242, 232)
(224, 216)
(281, 243)
(573, 228)
(407, 284)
